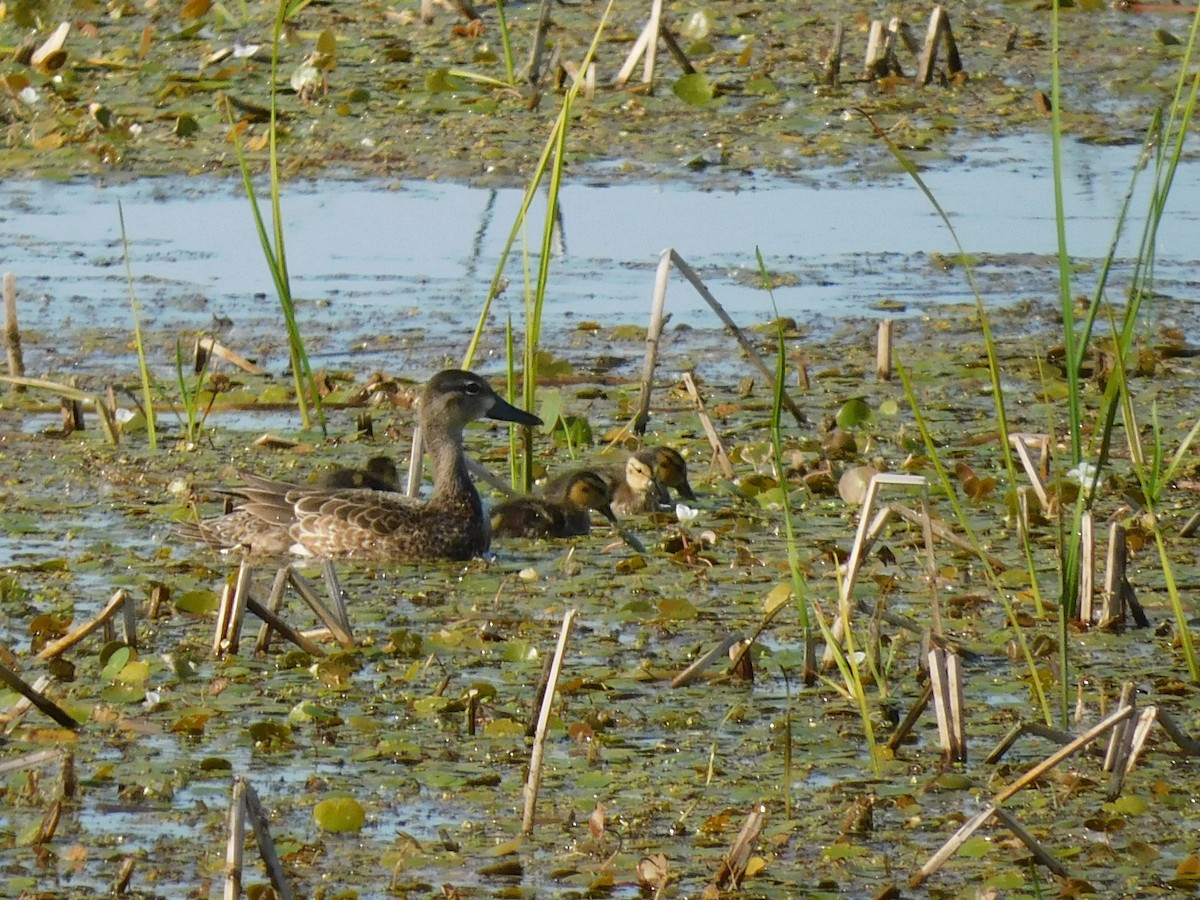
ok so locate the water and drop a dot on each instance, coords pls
(384, 265)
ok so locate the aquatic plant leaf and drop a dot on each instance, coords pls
(677, 609)
(198, 601)
(698, 25)
(694, 89)
(339, 814)
(440, 81)
(855, 413)
(116, 661)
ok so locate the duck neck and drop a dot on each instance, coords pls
(451, 482)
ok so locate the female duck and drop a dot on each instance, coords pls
(382, 526)
(567, 516)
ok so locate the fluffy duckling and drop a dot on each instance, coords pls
(379, 473)
(382, 526)
(565, 516)
(670, 471)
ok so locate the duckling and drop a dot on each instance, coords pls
(379, 473)
(670, 471)
(633, 486)
(381, 526)
(566, 516)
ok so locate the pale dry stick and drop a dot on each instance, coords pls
(237, 613)
(868, 529)
(939, 27)
(274, 604)
(943, 532)
(1040, 853)
(707, 296)
(36, 760)
(237, 840)
(1113, 610)
(1055, 758)
(658, 304)
(75, 395)
(12, 332)
(306, 591)
(480, 471)
(948, 729)
(271, 621)
(951, 846)
(72, 638)
(124, 876)
(693, 672)
(210, 345)
(1087, 567)
(266, 845)
(416, 462)
(874, 66)
(1021, 442)
(961, 836)
(224, 613)
(1118, 740)
(534, 782)
(883, 352)
(636, 53)
(337, 599)
(714, 439)
(654, 26)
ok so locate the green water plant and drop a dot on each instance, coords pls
(550, 165)
(135, 308)
(272, 241)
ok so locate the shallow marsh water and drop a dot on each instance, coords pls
(381, 267)
(677, 769)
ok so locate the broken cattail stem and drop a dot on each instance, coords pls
(658, 304)
(12, 332)
(271, 621)
(714, 439)
(1087, 567)
(833, 60)
(329, 618)
(1055, 758)
(883, 351)
(702, 289)
(40, 701)
(237, 840)
(266, 845)
(72, 638)
(533, 784)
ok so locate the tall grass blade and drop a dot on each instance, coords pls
(143, 369)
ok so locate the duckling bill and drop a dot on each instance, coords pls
(378, 525)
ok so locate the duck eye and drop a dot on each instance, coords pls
(471, 388)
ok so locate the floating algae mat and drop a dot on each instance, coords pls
(397, 765)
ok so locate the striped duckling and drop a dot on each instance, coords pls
(566, 515)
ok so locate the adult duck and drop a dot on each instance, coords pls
(375, 525)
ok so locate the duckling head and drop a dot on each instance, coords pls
(588, 490)
(639, 472)
(671, 470)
